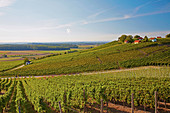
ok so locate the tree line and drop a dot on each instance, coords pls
(131, 39)
(35, 47)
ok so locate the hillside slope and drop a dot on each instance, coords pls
(112, 55)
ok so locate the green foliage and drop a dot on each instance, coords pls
(30, 94)
(7, 65)
(105, 57)
(146, 39)
(118, 86)
(129, 38)
(122, 38)
(21, 101)
(136, 36)
(168, 35)
(4, 99)
(40, 46)
(26, 60)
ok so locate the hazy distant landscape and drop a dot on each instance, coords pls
(84, 56)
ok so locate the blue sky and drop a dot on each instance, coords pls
(81, 20)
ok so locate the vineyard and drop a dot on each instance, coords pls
(77, 92)
(6, 65)
(112, 55)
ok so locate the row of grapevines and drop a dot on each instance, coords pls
(4, 99)
(119, 87)
(7, 85)
(3, 83)
(33, 97)
(21, 102)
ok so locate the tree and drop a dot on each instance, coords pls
(136, 36)
(129, 38)
(122, 38)
(4, 56)
(26, 60)
(146, 39)
(168, 35)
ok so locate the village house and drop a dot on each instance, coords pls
(140, 38)
(137, 41)
(126, 41)
(28, 62)
(159, 37)
(153, 39)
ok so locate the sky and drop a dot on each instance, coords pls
(81, 20)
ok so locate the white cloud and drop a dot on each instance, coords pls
(68, 31)
(127, 16)
(141, 6)
(97, 14)
(151, 13)
(124, 17)
(5, 3)
(81, 22)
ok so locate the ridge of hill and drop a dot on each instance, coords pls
(113, 55)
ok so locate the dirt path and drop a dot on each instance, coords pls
(99, 60)
(16, 68)
(113, 108)
(90, 73)
(120, 70)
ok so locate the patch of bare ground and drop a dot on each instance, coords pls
(88, 73)
(163, 108)
(17, 68)
(119, 108)
(120, 70)
(112, 108)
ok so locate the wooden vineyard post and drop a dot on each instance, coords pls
(132, 103)
(90, 106)
(156, 111)
(165, 103)
(107, 106)
(101, 111)
(60, 107)
(65, 99)
(144, 107)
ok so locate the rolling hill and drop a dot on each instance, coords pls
(113, 55)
